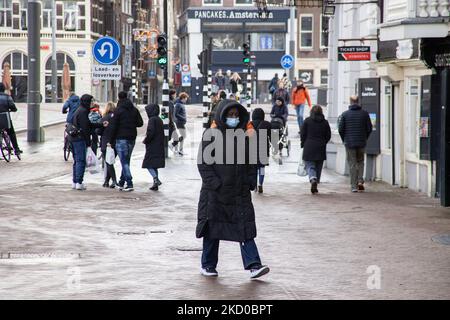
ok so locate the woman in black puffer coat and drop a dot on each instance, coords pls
(225, 209)
(154, 145)
(263, 131)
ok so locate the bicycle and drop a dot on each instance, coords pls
(67, 147)
(6, 147)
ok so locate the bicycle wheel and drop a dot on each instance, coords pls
(67, 149)
(6, 147)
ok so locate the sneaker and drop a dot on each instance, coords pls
(113, 185)
(259, 271)
(361, 187)
(80, 186)
(74, 185)
(128, 188)
(260, 189)
(354, 190)
(209, 272)
(121, 185)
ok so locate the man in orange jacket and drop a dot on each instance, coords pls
(300, 96)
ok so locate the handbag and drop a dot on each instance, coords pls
(72, 130)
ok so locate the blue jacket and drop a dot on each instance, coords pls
(71, 106)
(355, 127)
(280, 112)
(179, 115)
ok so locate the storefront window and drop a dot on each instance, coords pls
(61, 58)
(412, 114)
(306, 32)
(18, 63)
(6, 13)
(224, 41)
(267, 41)
(219, 27)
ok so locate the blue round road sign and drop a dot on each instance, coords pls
(287, 61)
(106, 50)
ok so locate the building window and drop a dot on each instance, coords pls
(267, 41)
(413, 105)
(126, 7)
(243, 2)
(18, 63)
(212, 2)
(324, 77)
(306, 31)
(5, 13)
(70, 15)
(224, 41)
(324, 30)
(61, 58)
(46, 14)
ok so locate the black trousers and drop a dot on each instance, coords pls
(110, 170)
(12, 135)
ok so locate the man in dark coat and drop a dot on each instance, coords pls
(315, 134)
(127, 119)
(263, 131)
(225, 209)
(83, 140)
(7, 105)
(154, 145)
(355, 128)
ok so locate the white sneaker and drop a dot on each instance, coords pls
(209, 272)
(74, 185)
(259, 272)
(80, 186)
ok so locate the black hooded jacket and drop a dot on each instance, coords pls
(125, 122)
(355, 127)
(315, 134)
(81, 120)
(154, 139)
(263, 131)
(225, 209)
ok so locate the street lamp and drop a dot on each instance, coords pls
(329, 10)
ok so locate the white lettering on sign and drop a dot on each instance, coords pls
(368, 92)
(214, 14)
(442, 60)
(106, 72)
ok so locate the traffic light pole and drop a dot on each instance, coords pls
(165, 89)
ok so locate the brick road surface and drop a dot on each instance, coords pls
(56, 243)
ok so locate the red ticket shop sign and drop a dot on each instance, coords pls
(355, 53)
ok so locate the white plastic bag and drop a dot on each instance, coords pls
(301, 171)
(91, 158)
(110, 157)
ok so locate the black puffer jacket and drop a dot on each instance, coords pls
(105, 133)
(355, 127)
(263, 131)
(154, 139)
(225, 209)
(315, 134)
(127, 119)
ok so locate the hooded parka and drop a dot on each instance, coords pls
(154, 139)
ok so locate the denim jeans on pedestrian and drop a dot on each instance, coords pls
(314, 170)
(261, 175)
(124, 149)
(355, 158)
(249, 252)
(299, 109)
(153, 172)
(79, 160)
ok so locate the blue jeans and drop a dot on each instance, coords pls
(249, 252)
(314, 169)
(153, 172)
(299, 110)
(124, 149)
(79, 160)
(261, 174)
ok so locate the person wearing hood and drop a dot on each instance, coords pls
(154, 145)
(7, 105)
(263, 131)
(70, 106)
(355, 128)
(125, 122)
(315, 134)
(83, 140)
(225, 208)
(280, 110)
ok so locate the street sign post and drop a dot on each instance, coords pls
(354, 53)
(103, 72)
(106, 50)
(287, 61)
(185, 68)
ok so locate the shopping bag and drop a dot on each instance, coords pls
(91, 158)
(301, 171)
(110, 157)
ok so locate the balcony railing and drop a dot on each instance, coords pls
(432, 8)
(44, 35)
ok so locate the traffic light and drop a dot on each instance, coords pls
(162, 50)
(247, 54)
(203, 64)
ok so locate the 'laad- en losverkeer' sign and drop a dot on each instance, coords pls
(354, 53)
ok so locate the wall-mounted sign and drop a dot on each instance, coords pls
(45, 47)
(354, 53)
(81, 53)
(105, 72)
(307, 76)
(442, 60)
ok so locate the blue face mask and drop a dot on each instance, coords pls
(232, 122)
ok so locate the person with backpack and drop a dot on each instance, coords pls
(315, 134)
(154, 145)
(263, 132)
(70, 106)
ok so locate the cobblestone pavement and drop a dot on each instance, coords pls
(56, 243)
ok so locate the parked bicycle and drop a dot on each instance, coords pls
(7, 148)
(67, 147)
